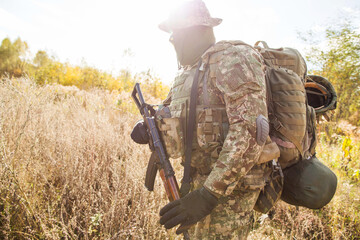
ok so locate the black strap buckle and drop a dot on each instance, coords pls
(276, 169)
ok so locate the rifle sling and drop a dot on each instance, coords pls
(185, 185)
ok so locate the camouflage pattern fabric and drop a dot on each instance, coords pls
(231, 219)
(225, 153)
(240, 78)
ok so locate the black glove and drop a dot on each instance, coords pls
(188, 210)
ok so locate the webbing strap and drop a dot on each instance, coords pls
(288, 87)
(212, 106)
(283, 143)
(185, 186)
(282, 109)
(289, 98)
(292, 121)
(283, 62)
(280, 128)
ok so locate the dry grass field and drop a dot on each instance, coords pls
(69, 170)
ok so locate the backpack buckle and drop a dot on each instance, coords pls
(276, 168)
(277, 125)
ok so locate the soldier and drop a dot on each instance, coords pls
(230, 98)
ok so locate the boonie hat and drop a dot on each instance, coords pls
(189, 14)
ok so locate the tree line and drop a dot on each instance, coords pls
(338, 60)
(46, 69)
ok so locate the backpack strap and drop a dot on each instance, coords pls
(281, 129)
(185, 185)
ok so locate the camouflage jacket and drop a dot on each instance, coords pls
(231, 95)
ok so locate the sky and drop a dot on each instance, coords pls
(112, 35)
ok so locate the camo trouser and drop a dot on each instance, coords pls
(231, 219)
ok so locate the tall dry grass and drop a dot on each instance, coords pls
(68, 167)
(69, 170)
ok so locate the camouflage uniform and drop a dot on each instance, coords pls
(231, 95)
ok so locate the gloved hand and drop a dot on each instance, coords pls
(188, 210)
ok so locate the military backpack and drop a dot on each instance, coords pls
(293, 129)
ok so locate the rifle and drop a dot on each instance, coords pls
(159, 159)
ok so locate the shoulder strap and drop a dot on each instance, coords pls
(185, 186)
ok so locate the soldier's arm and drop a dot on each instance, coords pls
(240, 78)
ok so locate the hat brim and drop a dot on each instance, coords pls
(168, 26)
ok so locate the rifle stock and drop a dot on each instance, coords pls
(158, 160)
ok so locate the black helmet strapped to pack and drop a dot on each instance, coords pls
(320, 93)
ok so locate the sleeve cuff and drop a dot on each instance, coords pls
(214, 192)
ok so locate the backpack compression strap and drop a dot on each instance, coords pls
(280, 128)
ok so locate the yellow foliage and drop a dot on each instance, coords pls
(346, 147)
(48, 70)
(72, 76)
